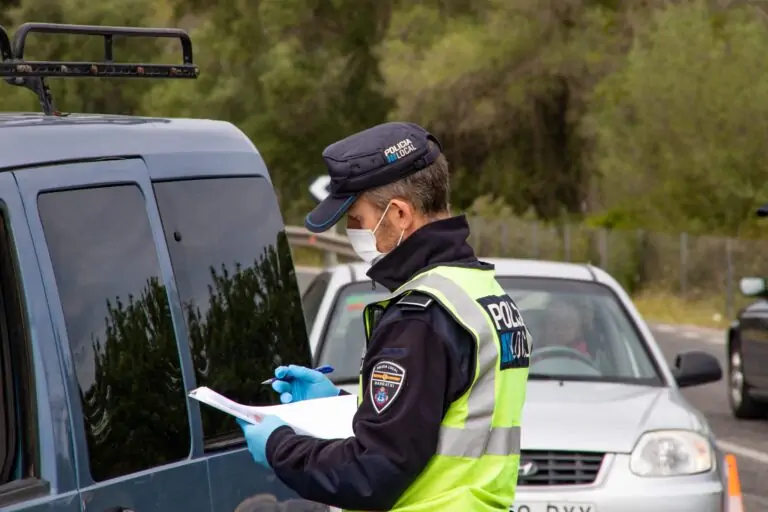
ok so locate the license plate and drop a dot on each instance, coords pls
(553, 506)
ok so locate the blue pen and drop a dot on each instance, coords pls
(323, 369)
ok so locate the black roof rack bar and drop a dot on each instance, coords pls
(24, 69)
(6, 51)
(32, 74)
(20, 37)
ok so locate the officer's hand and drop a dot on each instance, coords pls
(256, 435)
(297, 383)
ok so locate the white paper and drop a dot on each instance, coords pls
(325, 418)
(222, 403)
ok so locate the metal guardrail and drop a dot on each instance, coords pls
(330, 243)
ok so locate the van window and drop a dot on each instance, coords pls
(119, 327)
(237, 285)
(19, 464)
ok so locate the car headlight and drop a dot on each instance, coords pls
(671, 453)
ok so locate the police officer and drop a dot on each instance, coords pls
(444, 373)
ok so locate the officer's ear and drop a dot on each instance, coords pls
(402, 215)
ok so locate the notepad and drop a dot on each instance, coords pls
(325, 418)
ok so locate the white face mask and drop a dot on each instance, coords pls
(364, 241)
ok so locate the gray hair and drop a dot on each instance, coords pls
(428, 190)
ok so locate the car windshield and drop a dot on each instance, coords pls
(580, 332)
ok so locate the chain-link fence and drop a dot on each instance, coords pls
(687, 266)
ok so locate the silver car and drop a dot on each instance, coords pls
(605, 427)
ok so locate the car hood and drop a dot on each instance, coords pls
(603, 417)
(598, 416)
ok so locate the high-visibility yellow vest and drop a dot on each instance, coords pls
(476, 464)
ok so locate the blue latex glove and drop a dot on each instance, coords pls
(256, 435)
(297, 383)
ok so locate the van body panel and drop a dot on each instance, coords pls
(85, 152)
(78, 137)
(160, 488)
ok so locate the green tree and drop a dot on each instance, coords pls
(633, 114)
(294, 75)
(503, 84)
(678, 129)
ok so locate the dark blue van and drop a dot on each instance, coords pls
(140, 258)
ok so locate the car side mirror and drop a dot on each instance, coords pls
(694, 367)
(752, 286)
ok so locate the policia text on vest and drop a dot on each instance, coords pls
(512, 333)
(476, 464)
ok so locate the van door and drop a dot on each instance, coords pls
(37, 471)
(237, 286)
(96, 231)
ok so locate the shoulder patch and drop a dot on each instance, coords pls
(515, 345)
(387, 379)
(416, 301)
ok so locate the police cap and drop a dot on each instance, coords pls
(368, 159)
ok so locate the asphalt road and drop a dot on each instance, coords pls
(747, 440)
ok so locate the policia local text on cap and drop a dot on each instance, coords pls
(442, 383)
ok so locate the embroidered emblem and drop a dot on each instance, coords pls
(387, 380)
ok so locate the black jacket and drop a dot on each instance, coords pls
(393, 442)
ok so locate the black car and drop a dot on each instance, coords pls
(747, 344)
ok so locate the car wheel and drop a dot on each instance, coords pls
(743, 405)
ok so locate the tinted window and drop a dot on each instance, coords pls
(237, 285)
(119, 328)
(313, 297)
(599, 339)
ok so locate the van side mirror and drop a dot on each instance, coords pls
(752, 286)
(695, 367)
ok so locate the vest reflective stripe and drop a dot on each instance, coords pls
(476, 442)
(478, 433)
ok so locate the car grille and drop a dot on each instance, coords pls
(538, 468)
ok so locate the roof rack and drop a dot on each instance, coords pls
(32, 74)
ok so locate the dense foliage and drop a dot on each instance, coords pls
(627, 114)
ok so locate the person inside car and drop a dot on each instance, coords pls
(565, 327)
